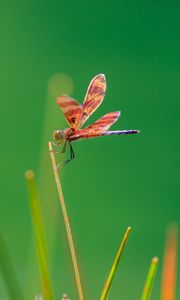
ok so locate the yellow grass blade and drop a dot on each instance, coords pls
(67, 224)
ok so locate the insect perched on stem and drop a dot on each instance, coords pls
(76, 115)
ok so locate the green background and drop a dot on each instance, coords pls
(114, 181)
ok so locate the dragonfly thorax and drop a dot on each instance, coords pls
(59, 135)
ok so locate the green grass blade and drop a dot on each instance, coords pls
(39, 234)
(8, 272)
(114, 266)
(168, 285)
(150, 279)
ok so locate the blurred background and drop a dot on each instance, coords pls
(53, 47)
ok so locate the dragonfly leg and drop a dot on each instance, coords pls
(57, 144)
(53, 151)
(71, 152)
(64, 147)
(72, 156)
(61, 164)
(54, 144)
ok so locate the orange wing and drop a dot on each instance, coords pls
(105, 122)
(72, 110)
(97, 128)
(94, 96)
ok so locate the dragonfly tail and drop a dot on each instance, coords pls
(130, 131)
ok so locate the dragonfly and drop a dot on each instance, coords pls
(77, 114)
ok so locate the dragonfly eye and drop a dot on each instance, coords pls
(58, 135)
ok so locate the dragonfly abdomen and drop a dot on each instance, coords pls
(130, 131)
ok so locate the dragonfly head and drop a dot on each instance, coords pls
(59, 136)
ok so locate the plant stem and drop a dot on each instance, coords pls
(67, 223)
(114, 266)
(39, 234)
(150, 279)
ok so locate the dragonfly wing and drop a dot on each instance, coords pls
(85, 133)
(99, 127)
(94, 96)
(72, 110)
(105, 122)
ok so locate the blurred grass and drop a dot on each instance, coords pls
(169, 272)
(39, 234)
(58, 83)
(8, 272)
